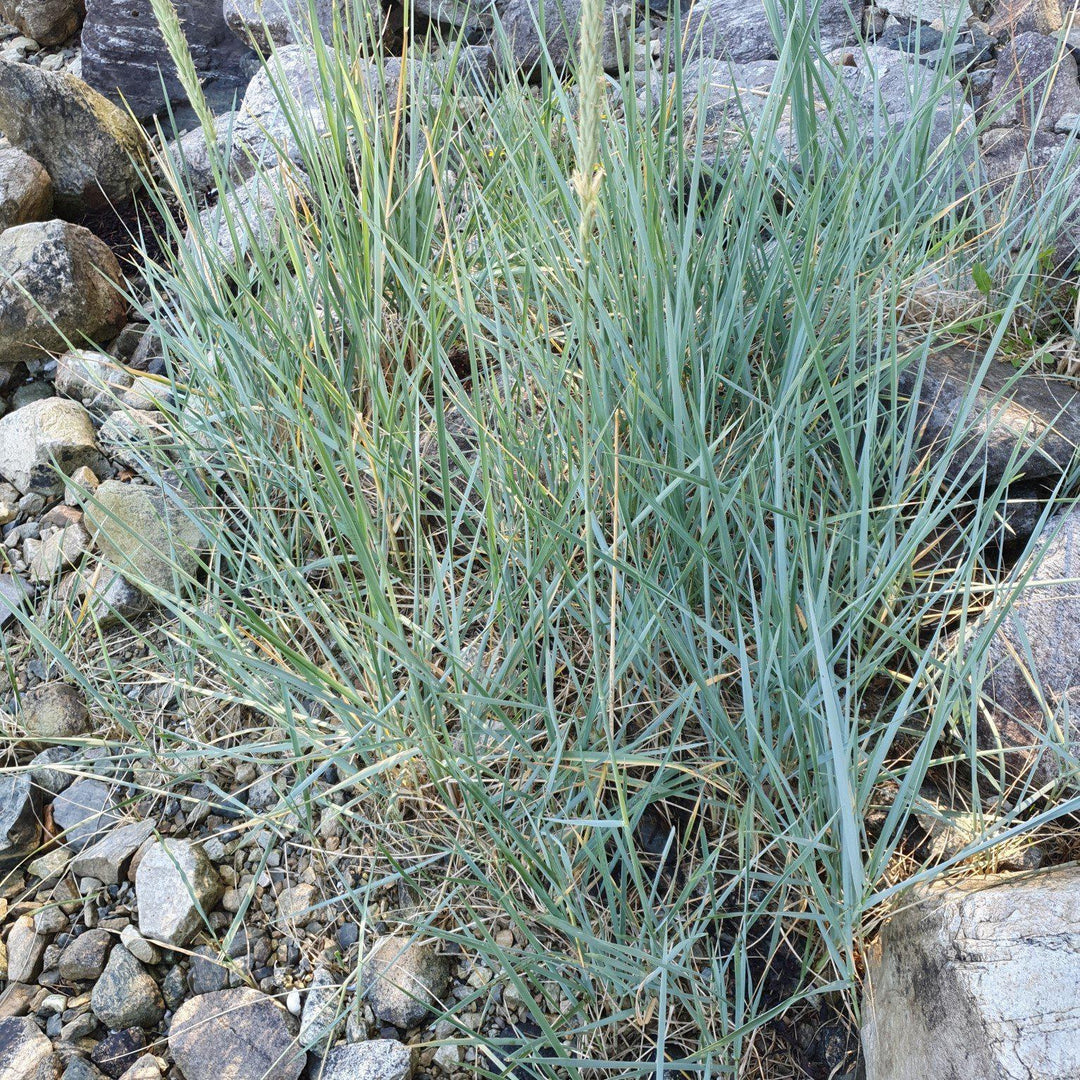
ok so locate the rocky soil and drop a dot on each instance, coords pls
(120, 890)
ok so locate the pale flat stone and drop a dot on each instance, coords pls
(978, 981)
(108, 858)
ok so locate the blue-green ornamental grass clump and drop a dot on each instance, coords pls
(562, 489)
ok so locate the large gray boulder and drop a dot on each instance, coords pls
(741, 31)
(262, 130)
(1032, 682)
(45, 441)
(88, 145)
(58, 283)
(124, 55)
(240, 1034)
(144, 532)
(978, 981)
(554, 27)
(26, 189)
(192, 155)
(48, 22)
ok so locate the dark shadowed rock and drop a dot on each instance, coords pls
(20, 828)
(26, 189)
(119, 1051)
(976, 980)
(240, 1034)
(84, 811)
(88, 146)
(25, 1053)
(124, 55)
(554, 27)
(57, 281)
(1036, 418)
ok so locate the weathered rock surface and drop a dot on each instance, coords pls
(59, 551)
(26, 189)
(1036, 419)
(126, 995)
(192, 154)
(1032, 682)
(1033, 86)
(253, 206)
(48, 22)
(322, 1014)
(240, 1034)
(950, 12)
(86, 956)
(20, 827)
(978, 981)
(47, 772)
(1026, 173)
(403, 981)
(124, 54)
(44, 441)
(378, 1059)
(73, 279)
(522, 21)
(87, 144)
(25, 947)
(176, 886)
(270, 23)
(92, 378)
(54, 711)
(14, 592)
(108, 858)
(143, 532)
(25, 1053)
(261, 126)
(890, 88)
(739, 30)
(83, 812)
